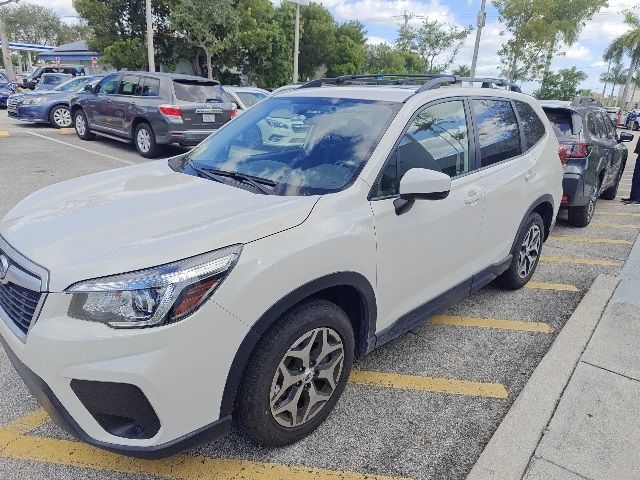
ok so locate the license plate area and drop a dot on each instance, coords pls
(208, 117)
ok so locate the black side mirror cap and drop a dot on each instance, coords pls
(626, 137)
(88, 88)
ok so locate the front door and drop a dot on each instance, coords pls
(432, 247)
(124, 104)
(103, 102)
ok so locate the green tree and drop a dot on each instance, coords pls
(264, 46)
(211, 25)
(615, 75)
(129, 53)
(564, 21)
(384, 58)
(561, 85)
(348, 53)
(114, 20)
(462, 70)
(4, 38)
(629, 42)
(438, 43)
(317, 39)
(30, 23)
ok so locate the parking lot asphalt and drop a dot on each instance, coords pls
(422, 406)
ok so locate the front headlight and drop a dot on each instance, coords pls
(32, 101)
(154, 296)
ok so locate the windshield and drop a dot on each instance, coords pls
(73, 85)
(307, 146)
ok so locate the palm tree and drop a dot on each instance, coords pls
(462, 70)
(613, 54)
(630, 43)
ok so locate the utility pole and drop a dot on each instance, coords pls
(150, 49)
(482, 17)
(296, 43)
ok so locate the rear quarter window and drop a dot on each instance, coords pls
(198, 91)
(531, 125)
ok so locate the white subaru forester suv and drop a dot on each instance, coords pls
(148, 307)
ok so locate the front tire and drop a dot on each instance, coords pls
(635, 126)
(60, 117)
(145, 141)
(526, 254)
(296, 374)
(82, 126)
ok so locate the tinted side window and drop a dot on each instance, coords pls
(591, 125)
(497, 131)
(128, 85)
(109, 85)
(149, 87)
(600, 128)
(437, 139)
(250, 99)
(531, 125)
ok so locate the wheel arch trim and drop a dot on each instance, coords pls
(338, 279)
(546, 198)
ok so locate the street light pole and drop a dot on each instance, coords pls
(296, 43)
(150, 49)
(481, 21)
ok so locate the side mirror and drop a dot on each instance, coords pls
(88, 88)
(625, 137)
(421, 184)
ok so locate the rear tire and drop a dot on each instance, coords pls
(582, 216)
(81, 126)
(526, 254)
(145, 141)
(296, 374)
(60, 117)
(635, 126)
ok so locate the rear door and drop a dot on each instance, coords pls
(601, 150)
(507, 172)
(203, 104)
(618, 149)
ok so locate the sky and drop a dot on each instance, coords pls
(381, 19)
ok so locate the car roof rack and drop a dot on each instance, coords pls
(582, 101)
(429, 81)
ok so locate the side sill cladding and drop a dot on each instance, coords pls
(365, 336)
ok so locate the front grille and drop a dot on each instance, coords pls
(12, 105)
(19, 304)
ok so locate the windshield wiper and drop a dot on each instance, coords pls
(249, 179)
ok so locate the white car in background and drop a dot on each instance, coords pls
(148, 307)
(245, 97)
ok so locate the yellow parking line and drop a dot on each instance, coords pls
(614, 225)
(67, 131)
(569, 238)
(579, 261)
(562, 287)
(4, 134)
(185, 467)
(27, 422)
(617, 214)
(539, 327)
(428, 384)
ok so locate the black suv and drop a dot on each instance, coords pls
(151, 109)
(591, 152)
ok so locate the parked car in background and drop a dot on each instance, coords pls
(632, 120)
(592, 154)
(6, 90)
(233, 285)
(31, 81)
(286, 88)
(49, 81)
(245, 97)
(615, 114)
(151, 109)
(50, 106)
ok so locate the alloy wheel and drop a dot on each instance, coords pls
(144, 140)
(529, 251)
(591, 208)
(62, 117)
(81, 125)
(306, 377)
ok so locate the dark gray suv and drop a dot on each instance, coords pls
(151, 109)
(592, 154)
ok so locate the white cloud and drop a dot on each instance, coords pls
(577, 51)
(373, 40)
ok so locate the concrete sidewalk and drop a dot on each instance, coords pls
(578, 417)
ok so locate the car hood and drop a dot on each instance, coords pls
(139, 217)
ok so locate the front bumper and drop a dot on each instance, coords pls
(180, 371)
(32, 113)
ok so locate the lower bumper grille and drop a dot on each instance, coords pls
(19, 304)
